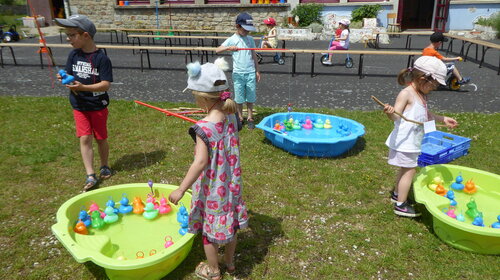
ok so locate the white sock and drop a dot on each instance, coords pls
(399, 203)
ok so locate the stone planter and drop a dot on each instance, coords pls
(483, 28)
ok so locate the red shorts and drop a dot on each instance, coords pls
(91, 123)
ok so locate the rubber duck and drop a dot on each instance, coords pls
(85, 218)
(94, 207)
(308, 124)
(168, 241)
(111, 203)
(149, 211)
(138, 205)
(451, 196)
(164, 206)
(472, 211)
(327, 125)
(152, 199)
(319, 124)
(437, 180)
(460, 217)
(97, 221)
(478, 221)
(457, 185)
(81, 228)
(183, 219)
(296, 125)
(111, 216)
(124, 207)
(288, 125)
(440, 190)
(282, 127)
(432, 187)
(451, 213)
(470, 187)
(496, 224)
(277, 126)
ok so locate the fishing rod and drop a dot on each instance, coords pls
(168, 113)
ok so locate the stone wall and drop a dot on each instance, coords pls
(106, 14)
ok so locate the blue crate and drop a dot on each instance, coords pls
(440, 147)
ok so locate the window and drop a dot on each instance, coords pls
(319, 1)
(221, 1)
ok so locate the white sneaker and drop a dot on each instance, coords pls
(328, 62)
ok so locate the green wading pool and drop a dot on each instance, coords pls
(133, 247)
(462, 235)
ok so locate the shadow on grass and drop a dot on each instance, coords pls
(138, 160)
(97, 271)
(356, 149)
(252, 249)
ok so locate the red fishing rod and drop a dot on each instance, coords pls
(166, 112)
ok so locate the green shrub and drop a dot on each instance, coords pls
(7, 2)
(316, 27)
(366, 11)
(308, 13)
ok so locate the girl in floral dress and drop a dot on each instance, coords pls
(217, 207)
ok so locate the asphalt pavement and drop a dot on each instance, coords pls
(332, 87)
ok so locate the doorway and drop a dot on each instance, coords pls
(417, 14)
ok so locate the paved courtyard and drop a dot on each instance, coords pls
(332, 87)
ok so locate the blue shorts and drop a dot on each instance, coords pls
(244, 87)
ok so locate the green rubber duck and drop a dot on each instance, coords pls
(111, 216)
(97, 221)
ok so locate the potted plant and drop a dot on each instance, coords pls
(365, 11)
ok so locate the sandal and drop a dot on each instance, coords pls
(90, 182)
(230, 268)
(251, 124)
(105, 172)
(203, 271)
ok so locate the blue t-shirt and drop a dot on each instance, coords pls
(242, 60)
(88, 69)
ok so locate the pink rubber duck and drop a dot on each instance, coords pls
(308, 124)
(94, 207)
(164, 206)
(151, 199)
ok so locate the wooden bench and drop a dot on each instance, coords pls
(215, 39)
(204, 53)
(464, 53)
(114, 31)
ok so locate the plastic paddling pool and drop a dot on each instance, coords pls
(462, 235)
(118, 247)
(316, 142)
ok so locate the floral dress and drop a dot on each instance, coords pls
(217, 207)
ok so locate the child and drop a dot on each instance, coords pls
(271, 40)
(245, 67)
(88, 97)
(217, 207)
(405, 140)
(342, 42)
(437, 40)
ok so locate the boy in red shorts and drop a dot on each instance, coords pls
(88, 97)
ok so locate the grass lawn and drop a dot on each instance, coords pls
(309, 218)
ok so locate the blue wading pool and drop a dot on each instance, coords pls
(315, 142)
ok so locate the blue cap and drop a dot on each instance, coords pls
(78, 21)
(246, 21)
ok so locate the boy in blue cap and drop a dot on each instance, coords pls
(88, 97)
(245, 67)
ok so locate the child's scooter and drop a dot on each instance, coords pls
(277, 57)
(349, 63)
(9, 36)
(451, 80)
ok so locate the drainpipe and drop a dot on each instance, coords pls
(67, 9)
